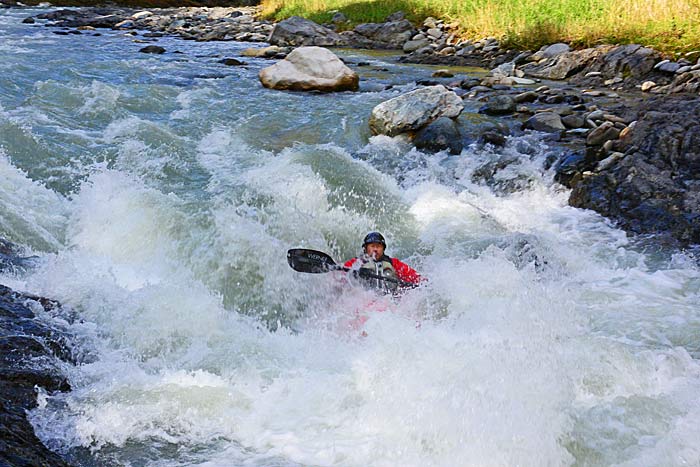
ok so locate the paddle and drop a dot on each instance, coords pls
(316, 262)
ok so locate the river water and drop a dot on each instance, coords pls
(160, 194)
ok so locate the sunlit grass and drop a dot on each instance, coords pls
(667, 25)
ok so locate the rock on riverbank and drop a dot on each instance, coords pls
(651, 184)
(200, 24)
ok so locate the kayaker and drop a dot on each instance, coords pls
(377, 263)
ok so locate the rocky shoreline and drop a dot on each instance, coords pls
(32, 352)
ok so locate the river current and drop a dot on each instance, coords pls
(160, 194)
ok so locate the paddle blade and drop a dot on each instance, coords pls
(312, 261)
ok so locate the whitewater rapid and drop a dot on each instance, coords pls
(160, 195)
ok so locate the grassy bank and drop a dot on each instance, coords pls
(666, 25)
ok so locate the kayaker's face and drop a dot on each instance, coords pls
(375, 250)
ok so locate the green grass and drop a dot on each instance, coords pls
(670, 26)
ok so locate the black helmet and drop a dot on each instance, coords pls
(373, 237)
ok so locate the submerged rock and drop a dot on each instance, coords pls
(152, 49)
(414, 110)
(310, 69)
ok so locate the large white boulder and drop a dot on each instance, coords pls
(310, 69)
(415, 109)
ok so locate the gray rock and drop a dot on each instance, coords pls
(521, 81)
(562, 66)
(573, 121)
(504, 69)
(392, 35)
(499, 105)
(395, 16)
(126, 24)
(435, 33)
(596, 115)
(687, 82)
(339, 18)
(439, 135)
(655, 187)
(413, 110)
(527, 96)
(430, 22)
(603, 133)
(667, 66)
(548, 122)
(297, 31)
(553, 50)
(413, 45)
(310, 68)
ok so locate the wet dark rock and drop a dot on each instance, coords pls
(655, 187)
(427, 82)
(439, 135)
(12, 258)
(493, 137)
(568, 167)
(29, 20)
(152, 49)
(30, 351)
